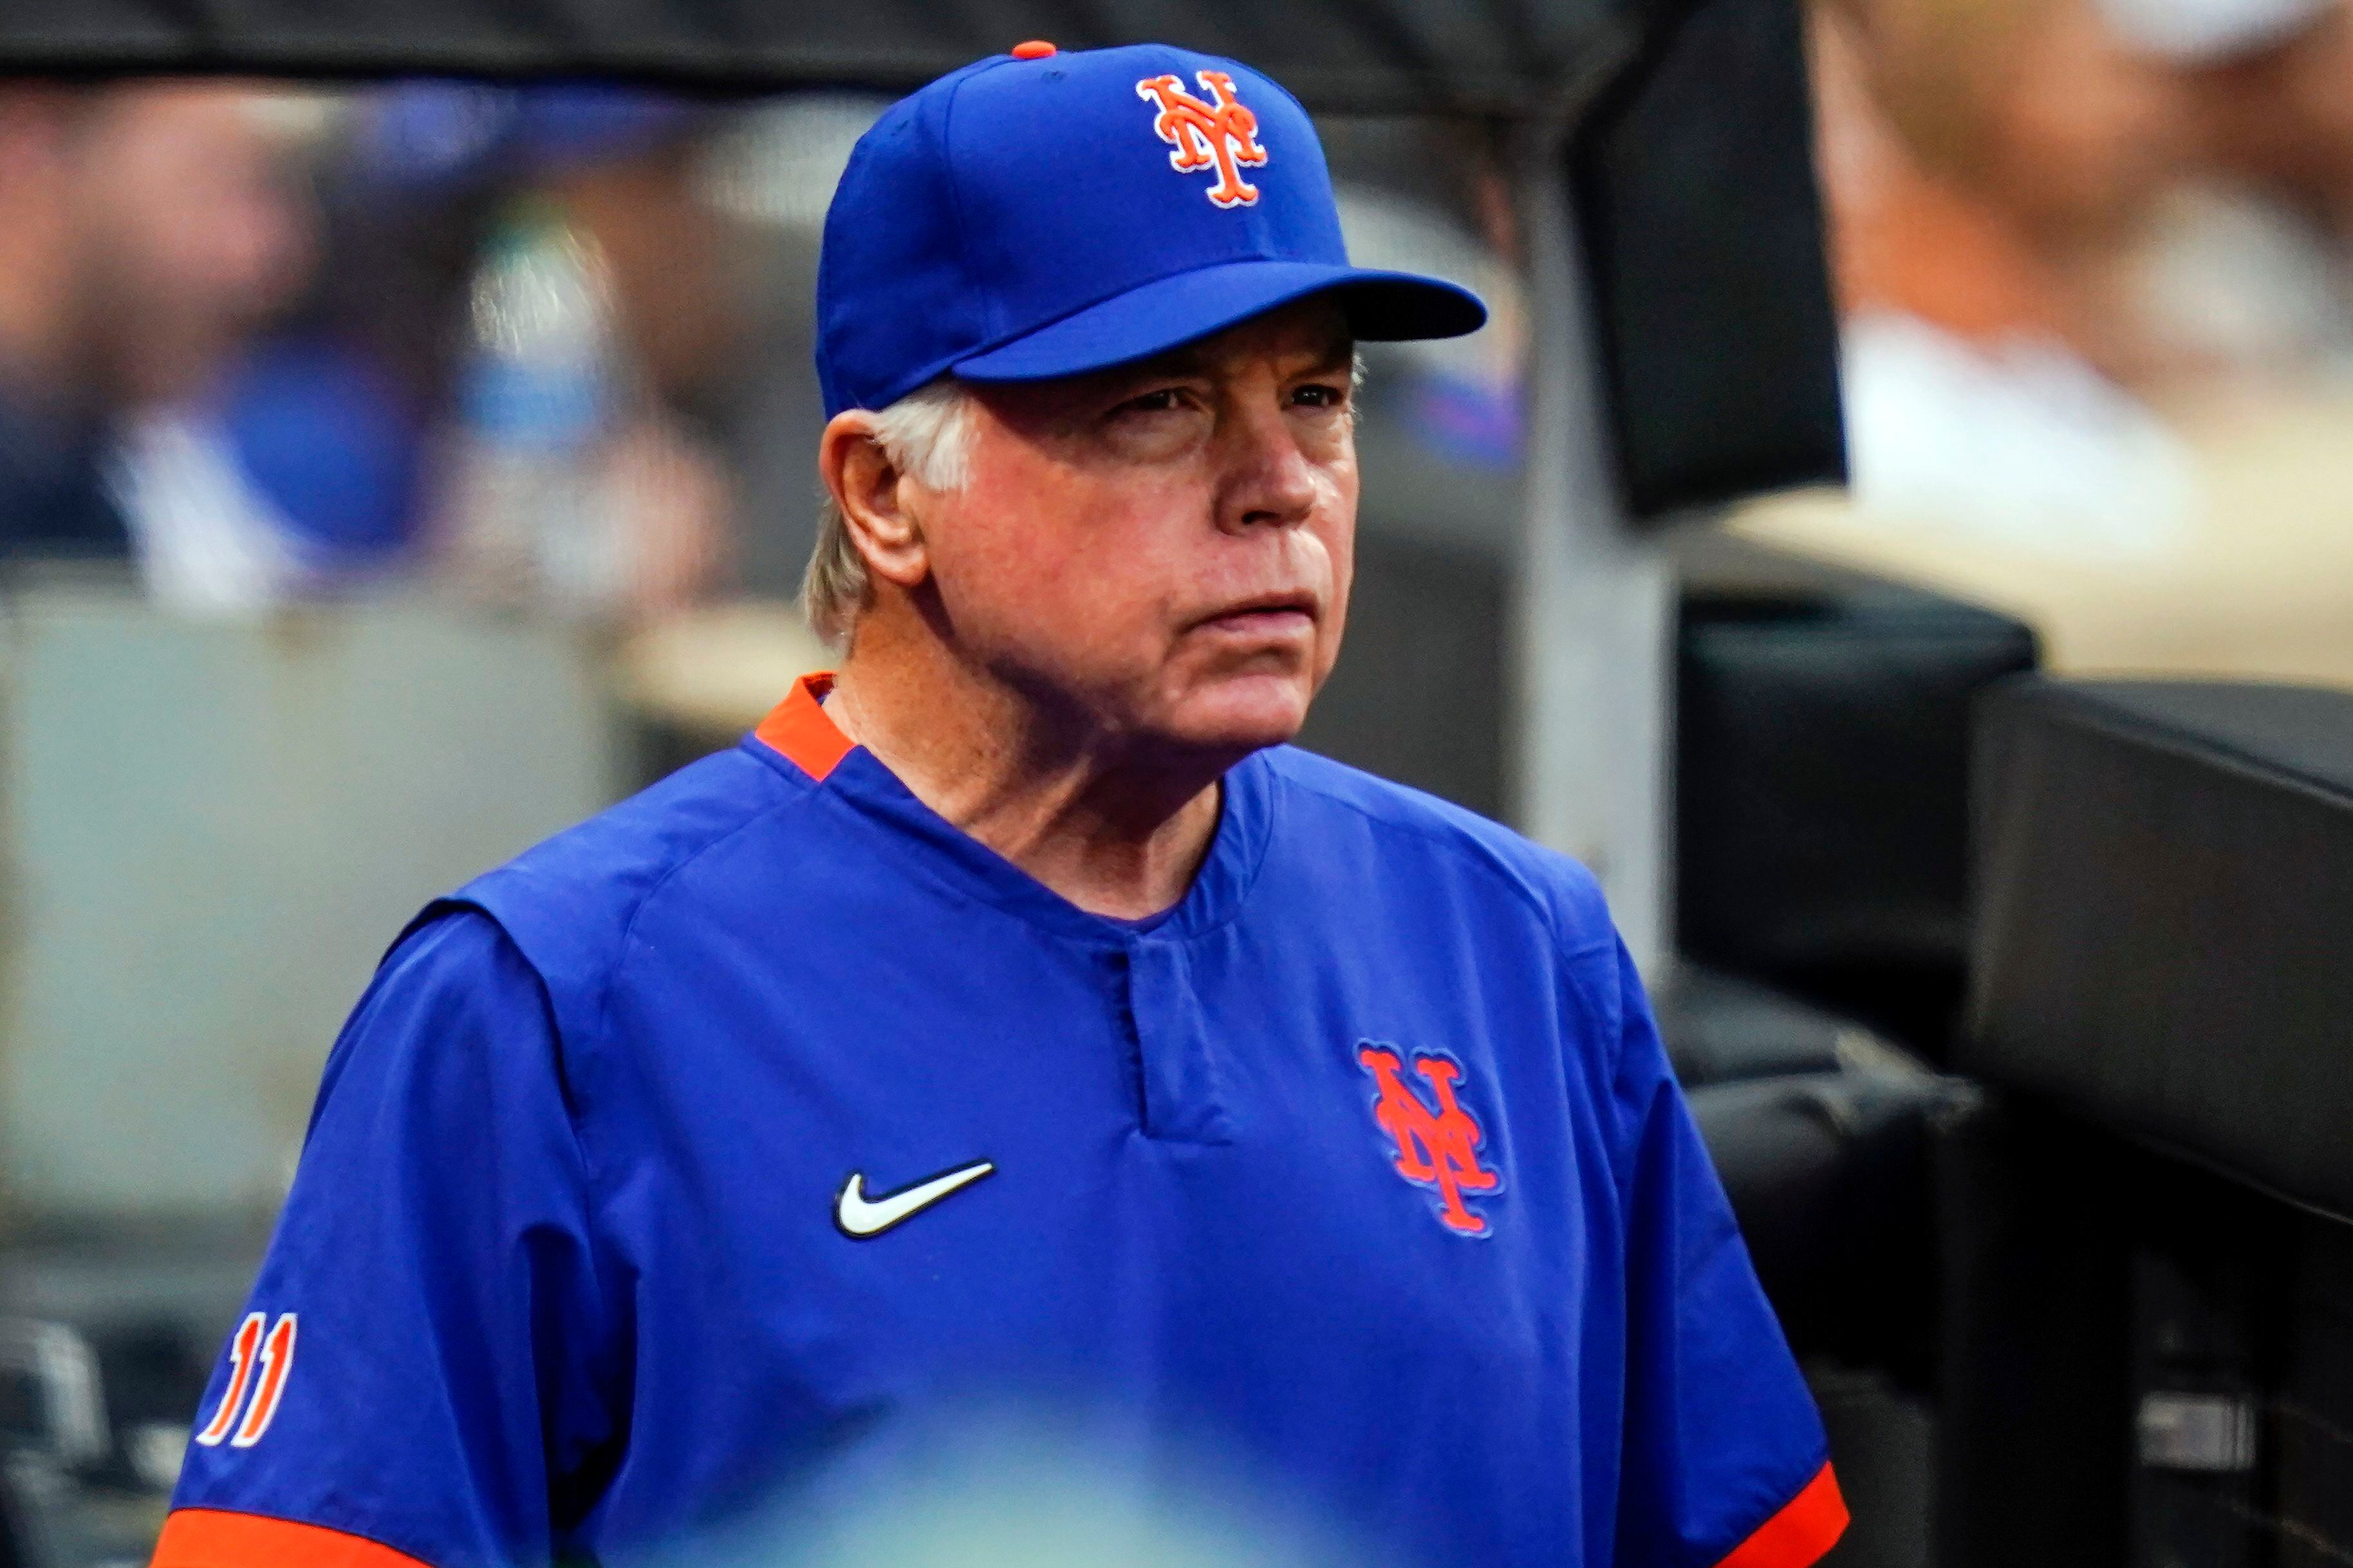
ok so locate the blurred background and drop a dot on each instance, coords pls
(391, 474)
(2091, 262)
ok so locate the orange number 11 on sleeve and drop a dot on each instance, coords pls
(260, 1362)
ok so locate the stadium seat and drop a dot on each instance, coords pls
(1820, 765)
(2167, 907)
(1821, 816)
(2148, 1224)
(1818, 1128)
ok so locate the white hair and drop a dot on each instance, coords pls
(926, 435)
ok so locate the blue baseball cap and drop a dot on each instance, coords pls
(1038, 215)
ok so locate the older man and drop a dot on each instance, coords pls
(1013, 1017)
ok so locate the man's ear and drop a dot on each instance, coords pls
(874, 498)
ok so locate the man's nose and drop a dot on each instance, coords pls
(1268, 482)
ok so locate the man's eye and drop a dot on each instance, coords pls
(1322, 396)
(1161, 402)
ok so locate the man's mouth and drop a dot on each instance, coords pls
(1267, 615)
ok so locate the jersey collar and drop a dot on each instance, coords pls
(798, 732)
(797, 729)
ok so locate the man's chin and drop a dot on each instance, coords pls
(1241, 714)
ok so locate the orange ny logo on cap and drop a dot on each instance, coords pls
(1218, 131)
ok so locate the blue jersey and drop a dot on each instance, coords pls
(767, 1115)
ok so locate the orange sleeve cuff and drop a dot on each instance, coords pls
(215, 1538)
(1796, 1536)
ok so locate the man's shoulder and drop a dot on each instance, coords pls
(1421, 834)
(616, 857)
(569, 902)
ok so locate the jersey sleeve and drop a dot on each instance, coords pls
(1725, 1463)
(424, 1373)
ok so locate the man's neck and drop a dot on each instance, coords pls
(1114, 831)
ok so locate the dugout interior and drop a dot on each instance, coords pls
(1657, 152)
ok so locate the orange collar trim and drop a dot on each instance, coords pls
(798, 730)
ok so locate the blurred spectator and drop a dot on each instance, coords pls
(2274, 97)
(2245, 276)
(602, 318)
(2097, 260)
(144, 233)
(2156, 192)
(1988, 164)
(260, 391)
(52, 495)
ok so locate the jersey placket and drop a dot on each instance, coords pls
(1181, 1092)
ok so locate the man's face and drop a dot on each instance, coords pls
(1164, 548)
(191, 232)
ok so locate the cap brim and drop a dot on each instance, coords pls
(1382, 307)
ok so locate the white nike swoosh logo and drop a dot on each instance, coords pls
(861, 1218)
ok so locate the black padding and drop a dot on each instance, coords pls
(2315, 1435)
(1884, 1441)
(2165, 940)
(1703, 229)
(1827, 1172)
(2036, 1423)
(2088, 1281)
(1822, 768)
(1720, 1030)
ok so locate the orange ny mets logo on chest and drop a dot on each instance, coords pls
(1217, 131)
(1440, 1148)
